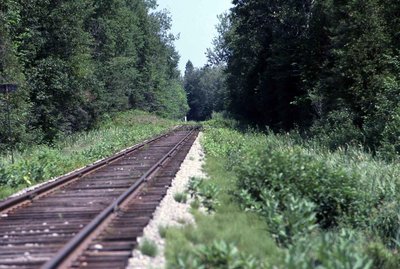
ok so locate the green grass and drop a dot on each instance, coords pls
(162, 231)
(288, 203)
(148, 248)
(180, 197)
(111, 135)
(229, 223)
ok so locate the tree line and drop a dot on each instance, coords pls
(329, 68)
(76, 60)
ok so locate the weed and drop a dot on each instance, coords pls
(162, 231)
(193, 186)
(291, 203)
(148, 248)
(195, 204)
(218, 255)
(180, 197)
(182, 221)
(71, 152)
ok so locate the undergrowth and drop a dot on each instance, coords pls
(288, 203)
(43, 162)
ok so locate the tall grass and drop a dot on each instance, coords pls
(322, 208)
(43, 162)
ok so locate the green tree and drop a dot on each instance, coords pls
(265, 45)
(11, 71)
(206, 90)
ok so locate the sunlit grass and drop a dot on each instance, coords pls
(289, 184)
(43, 162)
(245, 230)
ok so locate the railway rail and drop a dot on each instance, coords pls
(92, 217)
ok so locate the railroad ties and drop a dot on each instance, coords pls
(92, 218)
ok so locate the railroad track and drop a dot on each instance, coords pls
(92, 217)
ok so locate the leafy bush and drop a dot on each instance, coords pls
(381, 257)
(180, 197)
(294, 171)
(162, 231)
(385, 222)
(148, 248)
(295, 184)
(337, 130)
(194, 185)
(390, 143)
(328, 251)
(288, 218)
(204, 192)
(218, 255)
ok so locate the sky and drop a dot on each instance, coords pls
(195, 21)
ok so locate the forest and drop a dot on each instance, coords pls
(327, 68)
(71, 70)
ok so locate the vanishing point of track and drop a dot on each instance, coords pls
(92, 217)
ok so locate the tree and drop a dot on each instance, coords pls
(263, 76)
(111, 55)
(205, 88)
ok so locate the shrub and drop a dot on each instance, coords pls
(337, 130)
(288, 218)
(382, 257)
(194, 185)
(205, 193)
(330, 250)
(332, 189)
(162, 231)
(148, 248)
(390, 144)
(180, 197)
(218, 255)
(385, 223)
(208, 194)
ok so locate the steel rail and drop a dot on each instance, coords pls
(11, 202)
(75, 242)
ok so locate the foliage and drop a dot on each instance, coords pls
(325, 209)
(205, 192)
(111, 56)
(331, 250)
(222, 226)
(162, 231)
(287, 219)
(148, 248)
(218, 255)
(180, 197)
(329, 65)
(205, 88)
(71, 152)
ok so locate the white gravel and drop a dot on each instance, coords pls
(170, 213)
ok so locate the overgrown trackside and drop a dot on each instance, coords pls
(322, 209)
(71, 152)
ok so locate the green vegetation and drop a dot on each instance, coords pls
(289, 203)
(68, 153)
(180, 197)
(148, 248)
(327, 68)
(204, 193)
(109, 56)
(162, 230)
(226, 230)
(314, 183)
(205, 89)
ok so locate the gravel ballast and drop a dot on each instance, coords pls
(170, 213)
